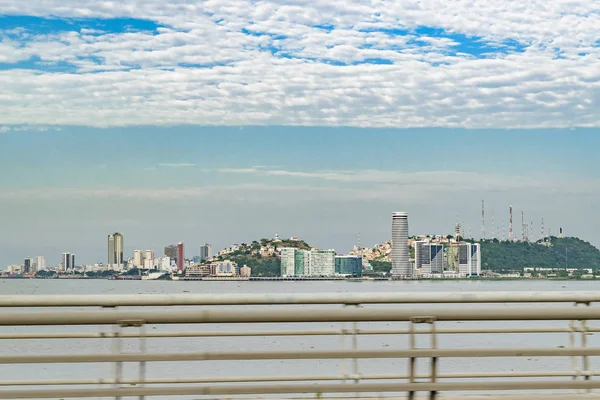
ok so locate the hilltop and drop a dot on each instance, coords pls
(261, 255)
(556, 252)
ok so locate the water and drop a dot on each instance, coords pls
(284, 367)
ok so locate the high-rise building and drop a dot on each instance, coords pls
(180, 257)
(149, 259)
(348, 265)
(41, 263)
(469, 259)
(138, 258)
(321, 262)
(401, 268)
(68, 261)
(301, 262)
(171, 251)
(288, 261)
(205, 252)
(429, 258)
(115, 251)
(28, 266)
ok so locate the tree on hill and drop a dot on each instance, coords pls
(560, 253)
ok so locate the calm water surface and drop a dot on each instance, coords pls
(280, 368)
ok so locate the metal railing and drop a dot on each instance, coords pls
(309, 319)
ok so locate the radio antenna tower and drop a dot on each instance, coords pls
(543, 233)
(510, 225)
(523, 229)
(494, 234)
(482, 220)
(531, 230)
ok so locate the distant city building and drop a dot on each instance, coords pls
(196, 259)
(224, 268)
(321, 263)
(401, 267)
(180, 257)
(40, 263)
(294, 262)
(197, 270)
(429, 257)
(205, 252)
(115, 251)
(68, 262)
(245, 271)
(171, 251)
(28, 266)
(348, 265)
(138, 258)
(149, 259)
(469, 259)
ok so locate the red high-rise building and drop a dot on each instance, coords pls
(180, 257)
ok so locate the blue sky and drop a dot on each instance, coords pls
(210, 122)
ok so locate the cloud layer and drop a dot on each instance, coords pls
(358, 63)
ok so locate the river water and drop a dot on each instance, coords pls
(284, 367)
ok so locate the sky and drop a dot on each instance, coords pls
(225, 122)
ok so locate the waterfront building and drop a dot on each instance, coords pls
(115, 251)
(429, 257)
(348, 265)
(40, 263)
(197, 270)
(294, 262)
(301, 262)
(288, 261)
(28, 266)
(401, 267)
(469, 259)
(149, 259)
(245, 271)
(321, 263)
(68, 262)
(205, 252)
(138, 258)
(180, 257)
(223, 268)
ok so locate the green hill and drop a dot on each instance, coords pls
(262, 265)
(557, 253)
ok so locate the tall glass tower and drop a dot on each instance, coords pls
(401, 267)
(115, 251)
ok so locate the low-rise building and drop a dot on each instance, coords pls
(224, 268)
(245, 271)
(198, 270)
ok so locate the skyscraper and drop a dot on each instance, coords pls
(28, 266)
(68, 261)
(41, 263)
(180, 257)
(115, 251)
(205, 252)
(401, 268)
(171, 251)
(469, 259)
(138, 258)
(429, 258)
(149, 259)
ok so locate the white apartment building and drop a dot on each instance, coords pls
(321, 263)
(138, 258)
(288, 261)
(469, 259)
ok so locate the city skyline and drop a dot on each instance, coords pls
(224, 124)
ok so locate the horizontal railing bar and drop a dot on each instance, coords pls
(301, 298)
(297, 355)
(248, 379)
(297, 388)
(331, 332)
(103, 317)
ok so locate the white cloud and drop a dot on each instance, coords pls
(176, 165)
(286, 70)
